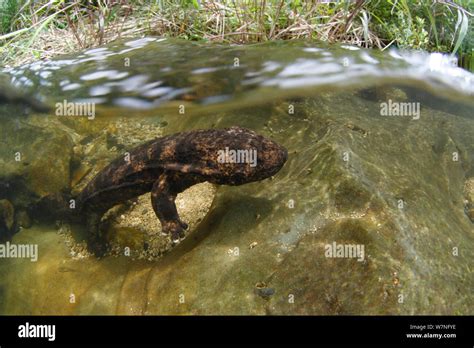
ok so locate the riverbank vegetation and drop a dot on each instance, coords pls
(40, 29)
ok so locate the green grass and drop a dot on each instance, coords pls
(8, 11)
(34, 29)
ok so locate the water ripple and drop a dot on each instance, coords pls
(147, 72)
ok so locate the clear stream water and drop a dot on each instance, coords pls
(380, 157)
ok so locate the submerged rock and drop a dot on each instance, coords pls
(138, 230)
(469, 198)
(23, 219)
(35, 159)
(7, 219)
(7, 212)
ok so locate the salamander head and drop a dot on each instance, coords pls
(244, 156)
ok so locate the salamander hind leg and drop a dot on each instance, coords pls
(163, 195)
(96, 242)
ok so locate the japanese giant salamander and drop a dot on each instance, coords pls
(169, 165)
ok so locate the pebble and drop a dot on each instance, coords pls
(262, 290)
(23, 220)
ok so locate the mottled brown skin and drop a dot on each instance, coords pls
(169, 165)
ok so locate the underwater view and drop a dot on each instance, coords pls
(158, 176)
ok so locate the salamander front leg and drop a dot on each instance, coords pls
(163, 196)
